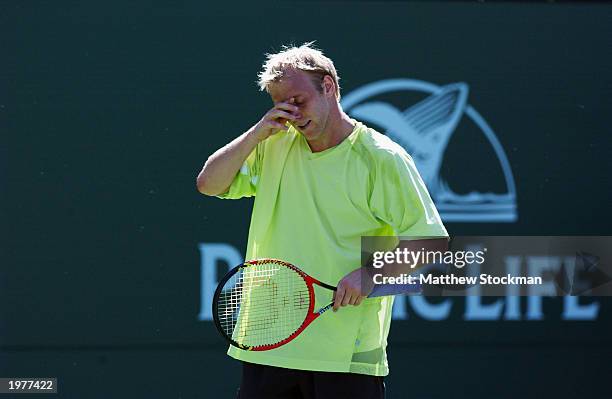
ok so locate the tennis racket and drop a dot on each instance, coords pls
(266, 303)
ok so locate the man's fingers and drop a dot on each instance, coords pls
(343, 297)
(347, 298)
(356, 299)
(338, 298)
(280, 114)
(287, 107)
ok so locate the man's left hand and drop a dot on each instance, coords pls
(353, 289)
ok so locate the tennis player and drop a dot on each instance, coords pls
(321, 180)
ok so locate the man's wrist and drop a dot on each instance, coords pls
(257, 135)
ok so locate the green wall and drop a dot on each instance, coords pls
(109, 111)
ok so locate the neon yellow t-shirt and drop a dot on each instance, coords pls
(311, 209)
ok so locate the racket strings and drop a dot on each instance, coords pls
(263, 304)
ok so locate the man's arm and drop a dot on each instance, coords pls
(352, 289)
(221, 167)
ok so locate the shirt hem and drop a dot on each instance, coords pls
(312, 365)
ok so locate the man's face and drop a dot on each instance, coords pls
(314, 106)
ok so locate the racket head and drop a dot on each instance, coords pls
(263, 304)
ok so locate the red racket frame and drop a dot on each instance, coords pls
(310, 317)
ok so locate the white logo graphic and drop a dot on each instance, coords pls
(424, 130)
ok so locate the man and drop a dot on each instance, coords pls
(321, 181)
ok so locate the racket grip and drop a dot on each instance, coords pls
(395, 289)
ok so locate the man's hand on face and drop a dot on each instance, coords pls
(353, 289)
(274, 120)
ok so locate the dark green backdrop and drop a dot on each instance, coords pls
(108, 113)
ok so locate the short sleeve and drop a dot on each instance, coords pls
(400, 198)
(245, 182)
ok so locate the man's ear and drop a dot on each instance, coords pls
(328, 85)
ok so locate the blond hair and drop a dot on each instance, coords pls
(305, 58)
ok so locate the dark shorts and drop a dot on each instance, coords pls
(267, 382)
